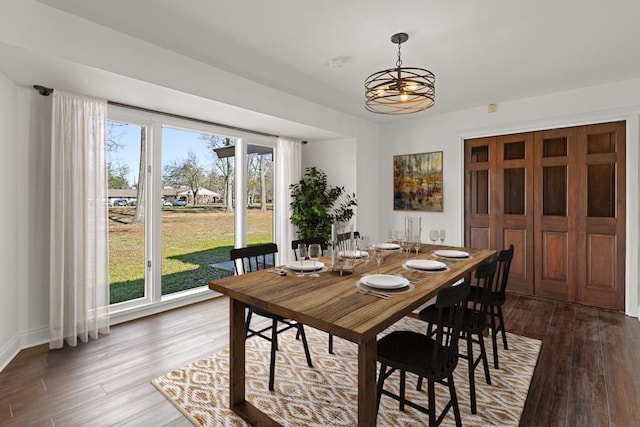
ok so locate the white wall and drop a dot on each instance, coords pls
(34, 165)
(430, 131)
(10, 283)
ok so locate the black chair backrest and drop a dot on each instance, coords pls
(308, 241)
(450, 303)
(254, 258)
(345, 236)
(502, 272)
(484, 275)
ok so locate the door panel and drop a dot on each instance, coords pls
(521, 264)
(514, 207)
(600, 279)
(601, 273)
(479, 237)
(478, 200)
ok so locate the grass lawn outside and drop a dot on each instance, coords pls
(193, 237)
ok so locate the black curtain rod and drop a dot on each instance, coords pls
(45, 91)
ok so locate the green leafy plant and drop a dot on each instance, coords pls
(315, 205)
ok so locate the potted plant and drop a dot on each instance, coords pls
(315, 205)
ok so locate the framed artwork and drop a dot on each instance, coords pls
(417, 182)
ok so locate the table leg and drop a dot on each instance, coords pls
(367, 355)
(236, 354)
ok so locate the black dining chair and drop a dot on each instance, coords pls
(474, 322)
(497, 298)
(432, 357)
(253, 258)
(308, 241)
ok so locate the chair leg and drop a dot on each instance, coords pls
(419, 386)
(454, 401)
(472, 377)
(494, 337)
(381, 378)
(504, 335)
(403, 382)
(431, 391)
(483, 355)
(330, 343)
(274, 346)
(304, 344)
(247, 323)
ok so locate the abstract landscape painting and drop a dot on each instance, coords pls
(417, 182)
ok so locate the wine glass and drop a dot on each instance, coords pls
(417, 244)
(315, 251)
(443, 235)
(434, 235)
(406, 244)
(302, 254)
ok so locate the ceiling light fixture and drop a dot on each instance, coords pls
(400, 90)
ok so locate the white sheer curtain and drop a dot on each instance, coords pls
(78, 265)
(288, 171)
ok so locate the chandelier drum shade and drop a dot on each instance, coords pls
(400, 90)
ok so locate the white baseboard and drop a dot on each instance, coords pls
(20, 342)
(9, 351)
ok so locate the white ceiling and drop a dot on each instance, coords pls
(481, 51)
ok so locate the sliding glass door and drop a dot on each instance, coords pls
(173, 210)
(126, 147)
(197, 209)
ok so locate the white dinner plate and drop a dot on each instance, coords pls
(388, 246)
(384, 281)
(450, 253)
(402, 290)
(426, 264)
(353, 254)
(306, 265)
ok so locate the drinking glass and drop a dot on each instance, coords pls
(314, 255)
(434, 235)
(443, 235)
(367, 254)
(379, 257)
(302, 254)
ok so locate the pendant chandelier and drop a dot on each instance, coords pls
(400, 90)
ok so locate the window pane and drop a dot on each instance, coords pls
(479, 191)
(556, 147)
(259, 194)
(480, 154)
(601, 190)
(600, 143)
(514, 150)
(554, 191)
(126, 216)
(197, 223)
(514, 191)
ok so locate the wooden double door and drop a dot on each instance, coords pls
(559, 197)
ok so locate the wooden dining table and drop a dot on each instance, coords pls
(332, 303)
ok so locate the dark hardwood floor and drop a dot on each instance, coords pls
(587, 374)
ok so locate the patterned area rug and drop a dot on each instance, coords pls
(326, 395)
